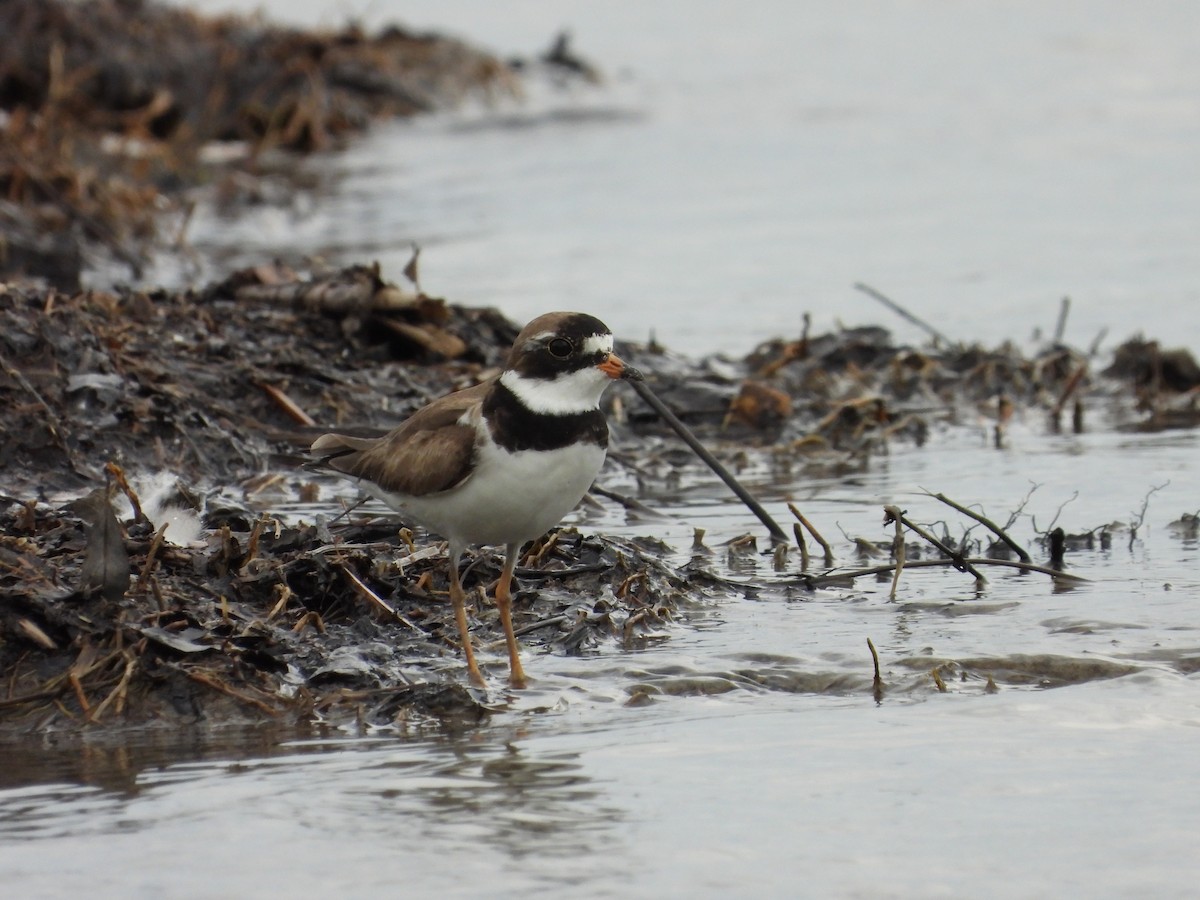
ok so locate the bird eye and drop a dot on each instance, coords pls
(560, 348)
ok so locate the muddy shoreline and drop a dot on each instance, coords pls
(149, 439)
(118, 117)
(197, 405)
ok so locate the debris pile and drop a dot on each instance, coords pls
(106, 616)
(265, 620)
(110, 108)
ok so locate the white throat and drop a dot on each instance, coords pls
(574, 392)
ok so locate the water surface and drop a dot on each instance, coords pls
(742, 754)
(745, 164)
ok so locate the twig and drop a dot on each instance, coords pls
(1016, 513)
(527, 573)
(986, 523)
(77, 685)
(779, 557)
(118, 475)
(1061, 507)
(626, 501)
(1061, 327)
(798, 531)
(365, 591)
(118, 693)
(643, 390)
(540, 550)
(540, 624)
(891, 513)
(36, 634)
(48, 694)
(1141, 517)
(903, 313)
(817, 580)
(877, 681)
(209, 681)
(53, 422)
(255, 537)
(148, 565)
(286, 404)
(813, 531)
(1072, 383)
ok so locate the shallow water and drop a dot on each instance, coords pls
(747, 164)
(974, 163)
(742, 754)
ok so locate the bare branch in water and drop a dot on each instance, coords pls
(1022, 554)
(892, 513)
(813, 531)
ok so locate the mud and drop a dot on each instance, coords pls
(114, 113)
(205, 399)
(158, 561)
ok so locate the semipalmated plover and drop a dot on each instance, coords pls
(501, 462)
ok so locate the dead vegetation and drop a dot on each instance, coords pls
(109, 109)
(107, 618)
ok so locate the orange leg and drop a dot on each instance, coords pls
(516, 674)
(459, 598)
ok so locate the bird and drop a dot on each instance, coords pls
(500, 462)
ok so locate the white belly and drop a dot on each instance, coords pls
(509, 498)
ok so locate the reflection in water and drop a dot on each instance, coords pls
(464, 789)
(408, 801)
(115, 762)
(755, 761)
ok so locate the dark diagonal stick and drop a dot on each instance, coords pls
(902, 312)
(643, 390)
(892, 513)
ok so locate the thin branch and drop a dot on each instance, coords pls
(643, 390)
(813, 531)
(1062, 506)
(209, 680)
(1141, 516)
(1016, 513)
(897, 517)
(365, 591)
(1072, 383)
(286, 404)
(151, 554)
(834, 577)
(1061, 328)
(798, 532)
(960, 562)
(986, 523)
(877, 681)
(903, 313)
(53, 423)
(630, 503)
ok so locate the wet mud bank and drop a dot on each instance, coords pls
(115, 116)
(157, 563)
(165, 556)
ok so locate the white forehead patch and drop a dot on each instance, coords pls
(572, 392)
(598, 343)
